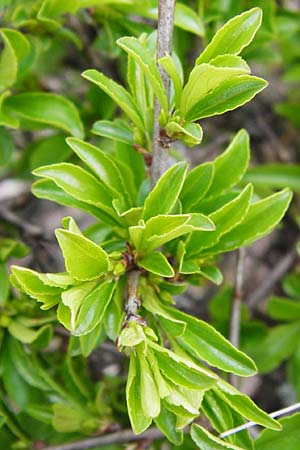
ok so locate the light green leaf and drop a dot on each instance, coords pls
(47, 189)
(117, 130)
(207, 441)
(276, 176)
(157, 263)
(4, 283)
(170, 67)
(182, 371)
(119, 94)
(94, 307)
(84, 259)
(231, 165)
(227, 96)
(30, 282)
(203, 79)
(101, 164)
(79, 184)
(8, 63)
(260, 219)
(288, 438)
(147, 63)
(195, 186)
(49, 109)
(51, 10)
(74, 297)
(137, 418)
(230, 61)
(29, 335)
(165, 193)
(166, 422)
(212, 273)
(187, 19)
(236, 34)
(50, 150)
(150, 398)
(190, 133)
(225, 219)
(244, 405)
(206, 343)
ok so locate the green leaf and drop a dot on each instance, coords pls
(28, 335)
(236, 34)
(260, 219)
(281, 308)
(117, 130)
(149, 391)
(147, 63)
(8, 63)
(288, 438)
(101, 164)
(166, 422)
(157, 263)
(79, 184)
(187, 19)
(181, 371)
(279, 344)
(51, 10)
(4, 283)
(94, 307)
(227, 96)
(207, 441)
(276, 176)
(190, 133)
(231, 165)
(47, 189)
(32, 284)
(170, 67)
(244, 405)
(203, 79)
(139, 422)
(73, 299)
(217, 411)
(206, 343)
(49, 109)
(6, 147)
(119, 94)
(165, 193)
(84, 259)
(225, 219)
(162, 229)
(196, 185)
(230, 61)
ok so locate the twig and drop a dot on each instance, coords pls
(133, 303)
(276, 274)
(113, 438)
(248, 425)
(161, 142)
(235, 319)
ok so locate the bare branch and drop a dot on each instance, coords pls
(161, 143)
(113, 438)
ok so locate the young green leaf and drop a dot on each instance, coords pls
(146, 62)
(117, 93)
(196, 185)
(230, 61)
(206, 343)
(260, 219)
(244, 405)
(231, 165)
(150, 398)
(94, 307)
(116, 130)
(84, 259)
(207, 441)
(138, 420)
(157, 263)
(236, 34)
(288, 438)
(166, 422)
(225, 219)
(281, 308)
(203, 79)
(165, 193)
(79, 184)
(101, 164)
(227, 96)
(49, 109)
(170, 67)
